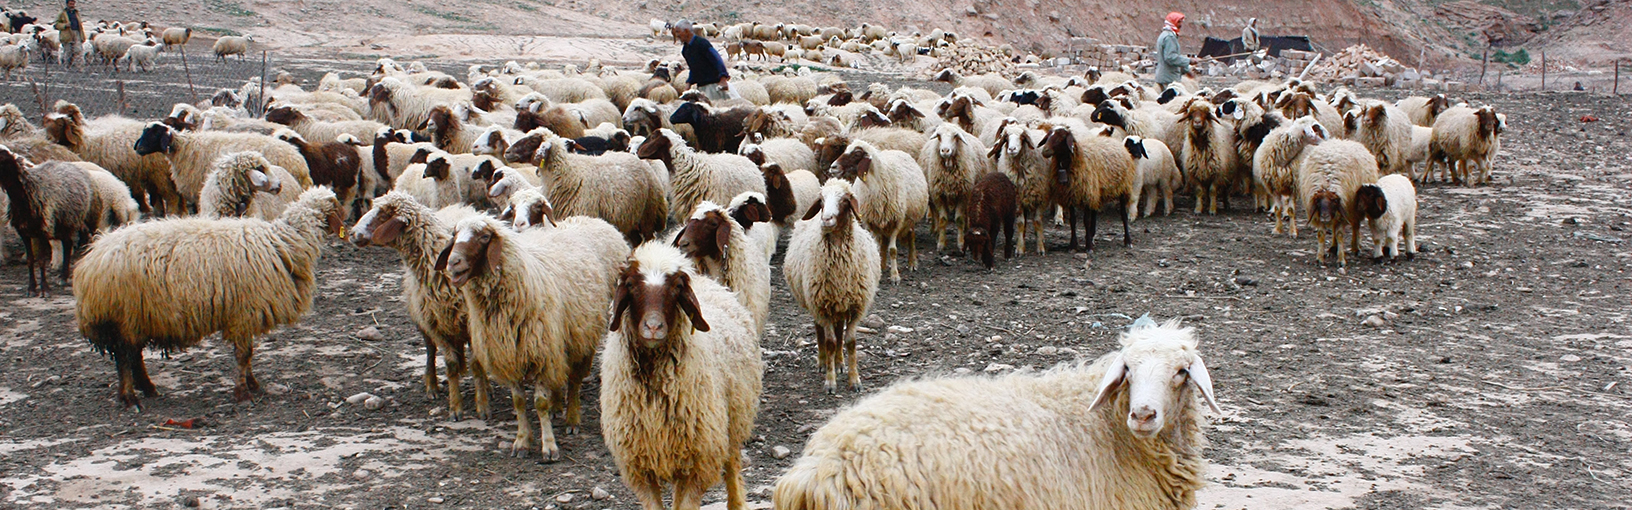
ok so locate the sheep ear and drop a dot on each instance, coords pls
(864, 167)
(722, 236)
(1114, 374)
(815, 209)
(1204, 382)
(620, 304)
(498, 189)
(495, 253)
(688, 302)
(997, 148)
(442, 258)
(389, 231)
(759, 213)
(508, 214)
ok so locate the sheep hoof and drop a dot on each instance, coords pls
(131, 402)
(550, 454)
(240, 393)
(570, 430)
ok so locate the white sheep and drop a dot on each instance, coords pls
(1464, 138)
(1208, 155)
(952, 159)
(1385, 131)
(245, 185)
(1390, 206)
(536, 302)
(167, 284)
(615, 186)
(435, 305)
(891, 193)
(720, 248)
(191, 154)
(177, 36)
(109, 142)
(753, 212)
(1017, 153)
(832, 269)
(110, 197)
(1330, 175)
(680, 381)
(13, 57)
(1156, 176)
(141, 56)
(695, 176)
(1275, 167)
(403, 106)
(232, 45)
(1122, 432)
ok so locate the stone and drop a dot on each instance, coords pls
(564, 498)
(361, 474)
(998, 367)
(276, 389)
(873, 321)
(371, 334)
(1047, 350)
(359, 398)
(373, 403)
(962, 371)
(1373, 321)
(599, 494)
(780, 452)
(435, 500)
(899, 329)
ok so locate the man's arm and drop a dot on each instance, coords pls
(725, 73)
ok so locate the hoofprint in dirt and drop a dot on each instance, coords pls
(1494, 373)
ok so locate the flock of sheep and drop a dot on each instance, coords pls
(545, 215)
(133, 46)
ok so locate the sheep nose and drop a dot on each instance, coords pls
(1142, 415)
(652, 327)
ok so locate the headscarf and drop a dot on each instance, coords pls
(1174, 19)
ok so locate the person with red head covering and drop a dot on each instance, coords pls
(1170, 62)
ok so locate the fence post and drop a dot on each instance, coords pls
(188, 69)
(1543, 69)
(1617, 90)
(123, 105)
(260, 102)
(1484, 62)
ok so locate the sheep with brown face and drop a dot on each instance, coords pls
(832, 269)
(892, 193)
(721, 249)
(1331, 174)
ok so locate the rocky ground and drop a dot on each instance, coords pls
(1489, 372)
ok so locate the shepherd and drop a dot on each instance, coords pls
(708, 72)
(1170, 62)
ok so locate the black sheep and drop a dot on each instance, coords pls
(718, 131)
(991, 206)
(51, 201)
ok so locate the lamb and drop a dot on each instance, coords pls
(334, 164)
(13, 56)
(109, 142)
(953, 159)
(1124, 431)
(695, 177)
(1208, 154)
(992, 206)
(718, 130)
(436, 306)
(1156, 176)
(1017, 153)
(680, 381)
(892, 193)
(1329, 176)
(1423, 111)
(1390, 206)
(167, 284)
(52, 201)
(1090, 173)
(192, 153)
(142, 56)
(1464, 137)
(720, 249)
(177, 36)
(232, 45)
(245, 185)
(1275, 167)
(1385, 131)
(1417, 152)
(832, 269)
(616, 186)
(536, 305)
(788, 193)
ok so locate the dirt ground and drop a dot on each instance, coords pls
(1497, 377)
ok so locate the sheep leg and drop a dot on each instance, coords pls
(479, 380)
(574, 413)
(524, 425)
(1290, 208)
(850, 355)
(647, 489)
(1025, 219)
(243, 348)
(32, 246)
(139, 370)
(1212, 199)
(895, 265)
(455, 360)
(431, 385)
(688, 492)
(961, 223)
(1008, 237)
(912, 247)
(1092, 226)
(1072, 214)
(1320, 244)
(736, 495)
(824, 354)
(940, 229)
(1127, 235)
(1410, 234)
(122, 361)
(541, 406)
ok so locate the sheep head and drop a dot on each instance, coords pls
(1489, 124)
(749, 208)
(871, 118)
(1437, 105)
(527, 208)
(1061, 146)
(1154, 374)
(655, 293)
(659, 147)
(1136, 147)
(1371, 200)
(1106, 113)
(62, 130)
(855, 164)
(1376, 114)
(438, 167)
(286, 115)
(753, 152)
(491, 143)
(443, 125)
(525, 148)
(156, 138)
(1325, 208)
(903, 113)
(828, 149)
(947, 144)
(705, 238)
(837, 207)
(384, 224)
(1313, 132)
(477, 247)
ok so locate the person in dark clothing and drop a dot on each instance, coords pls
(69, 31)
(709, 74)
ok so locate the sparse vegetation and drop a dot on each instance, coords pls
(228, 7)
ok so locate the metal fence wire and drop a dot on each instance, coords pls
(188, 73)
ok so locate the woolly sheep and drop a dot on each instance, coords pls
(141, 56)
(1123, 431)
(232, 45)
(404, 106)
(720, 249)
(616, 186)
(1423, 111)
(1208, 154)
(891, 193)
(167, 284)
(1390, 206)
(1091, 172)
(953, 159)
(245, 185)
(832, 269)
(436, 306)
(1275, 167)
(1463, 138)
(177, 36)
(52, 201)
(1156, 176)
(109, 141)
(1017, 153)
(752, 211)
(695, 177)
(992, 206)
(1385, 131)
(335, 164)
(12, 57)
(110, 196)
(536, 305)
(680, 381)
(1330, 175)
(790, 153)
(991, 83)
(319, 131)
(192, 153)
(1417, 152)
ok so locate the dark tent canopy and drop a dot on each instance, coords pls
(1218, 48)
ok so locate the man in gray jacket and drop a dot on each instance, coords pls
(1170, 62)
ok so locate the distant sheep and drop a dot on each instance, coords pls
(232, 45)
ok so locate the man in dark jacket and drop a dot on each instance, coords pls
(69, 32)
(709, 74)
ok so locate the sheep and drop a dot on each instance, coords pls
(167, 284)
(992, 207)
(1090, 172)
(536, 306)
(695, 177)
(795, 90)
(13, 124)
(778, 121)
(1423, 111)
(1156, 176)
(404, 106)
(564, 90)
(752, 211)
(191, 153)
(245, 185)
(109, 142)
(892, 193)
(615, 186)
(13, 56)
(1208, 154)
(953, 159)
(1017, 153)
(788, 193)
(177, 36)
(883, 138)
(141, 56)
(1390, 206)
(52, 201)
(110, 196)
(644, 117)
(1275, 167)
(832, 269)
(720, 249)
(1329, 176)
(680, 381)
(1417, 152)
(1385, 131)
(718, 130)
(316, 130)
(1252, 124)
(1294, 104)
(334, 164)
(1464, 137)
(787, 152)
(232, 45)
(991, 83)
(1123, 431)
(436, 306)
